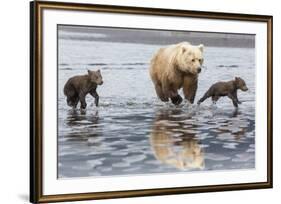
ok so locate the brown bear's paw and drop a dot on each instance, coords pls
(176, 100)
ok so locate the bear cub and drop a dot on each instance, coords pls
(77, 87)
(228, 88)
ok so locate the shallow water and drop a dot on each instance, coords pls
(132, 132)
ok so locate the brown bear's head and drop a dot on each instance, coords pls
(189, 58)
(95, 77)
(240, 84)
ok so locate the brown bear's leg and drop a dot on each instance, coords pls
(176, 100)
(175, 97)
(172, 93)
(190, 87)
(160, 93)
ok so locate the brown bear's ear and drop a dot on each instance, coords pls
(89, 71)
(98, 71)
(236, 78)
(201, 47)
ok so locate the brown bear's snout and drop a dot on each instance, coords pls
(100, 83)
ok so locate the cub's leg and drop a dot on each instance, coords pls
(75, 101)
(206, 95)
(96, 96)
(215, 99)
(72, 101)
(82, 100)
(70, 95)
(69, 101)
(234, 100)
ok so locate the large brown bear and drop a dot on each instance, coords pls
(77, 87)
(174, 67)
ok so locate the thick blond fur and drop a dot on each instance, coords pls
(174, 67)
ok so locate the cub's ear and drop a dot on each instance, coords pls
(236, 78)
(98, 71)
(201, 47)
(89, 71)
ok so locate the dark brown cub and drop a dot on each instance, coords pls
(228, 88)
(77, 87)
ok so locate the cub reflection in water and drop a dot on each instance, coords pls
(173, 142)
(83, 125)
(76, 118)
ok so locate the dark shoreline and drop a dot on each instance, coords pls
(156, 37)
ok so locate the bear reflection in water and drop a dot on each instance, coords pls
(173, 144)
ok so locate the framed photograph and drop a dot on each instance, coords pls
(131, 101)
